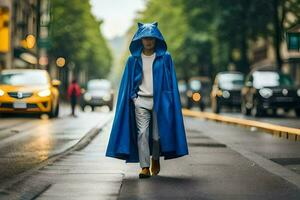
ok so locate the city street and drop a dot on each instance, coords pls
(25, 142)
(88, 106)
(225, 162)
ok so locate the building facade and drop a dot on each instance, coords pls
(262, 53)
(23, 31)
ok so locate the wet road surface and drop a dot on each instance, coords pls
(225, 163)
(27, 141)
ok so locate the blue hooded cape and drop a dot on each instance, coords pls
(123, 137)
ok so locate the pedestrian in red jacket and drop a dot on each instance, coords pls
(73, 94)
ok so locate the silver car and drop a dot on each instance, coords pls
(99, 92)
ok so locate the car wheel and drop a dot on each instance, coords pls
(297, 111)
(217, 107)
(189, 104)
(110, 106)
(214, 106)
(256, 111)
(51, 114)
(274, 112)
(244, 109)
(202, 107)
(56, 110)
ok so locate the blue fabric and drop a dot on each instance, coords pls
(123, 137)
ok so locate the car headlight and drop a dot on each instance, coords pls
(87, 97)
(106, 97)
(189, 93)
(266, 92)
(44, 93)
(196, 96)
(1, 92)
(298, 92)
(226, 94)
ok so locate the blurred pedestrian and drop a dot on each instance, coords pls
(148, 119)
(73, 95)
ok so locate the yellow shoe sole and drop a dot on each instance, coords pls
(144, 175)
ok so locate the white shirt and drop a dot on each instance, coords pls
(146, 87)
(145, 93)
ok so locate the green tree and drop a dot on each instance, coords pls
(204, 37)
(75, 35)
(172, 22)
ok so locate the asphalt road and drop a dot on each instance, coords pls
(27, 140)
(225, 163)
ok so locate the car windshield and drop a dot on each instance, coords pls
(195, 85)
(231, 81)
(271, 79)
(98, 85)
(23, 78)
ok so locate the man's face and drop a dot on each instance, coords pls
(148, 43)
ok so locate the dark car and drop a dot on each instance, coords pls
(182, 88)
(98, 93)
(226, 90)
(194, 91)
(268, 90)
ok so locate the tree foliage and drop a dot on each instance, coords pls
(206, 36)
(76, 36)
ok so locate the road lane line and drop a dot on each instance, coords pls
(268, 165)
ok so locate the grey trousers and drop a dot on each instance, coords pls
(144, 114)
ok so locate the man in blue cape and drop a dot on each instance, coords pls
(125, 138)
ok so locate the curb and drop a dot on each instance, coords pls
(276, 130)
(83, 142)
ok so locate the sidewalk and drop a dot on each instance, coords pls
(81, 174)
(85, 174)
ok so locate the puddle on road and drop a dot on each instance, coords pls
(214, 145)
(198, 137)
(286, 161)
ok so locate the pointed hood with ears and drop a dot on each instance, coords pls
(147, 30)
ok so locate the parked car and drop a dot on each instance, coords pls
(226, 90)
(182, 88)
(99, 92)
(28, 91)
(269, 89)
(194, 92)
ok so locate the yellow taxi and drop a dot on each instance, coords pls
(28, 90)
